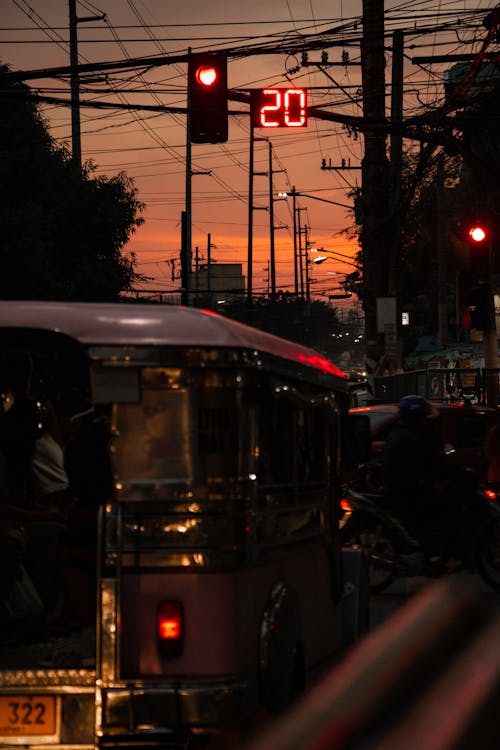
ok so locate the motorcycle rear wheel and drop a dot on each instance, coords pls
(488, 553)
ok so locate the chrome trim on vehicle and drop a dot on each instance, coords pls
(45, 680)
(140, 708)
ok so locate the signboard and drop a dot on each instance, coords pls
(386, 313)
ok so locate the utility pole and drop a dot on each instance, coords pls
(490, 340)
(396, 169)
(184, 263)
(187, 247)
(186, 253)
(295, 248)
(375, 174)
(272, 259)
(306, 261)
(442, 297)
(250, 219)
(76, 141)
(196, 269)
(209, 268)
(251, 209)
(187, 235)
(301, 261)
(396, 157)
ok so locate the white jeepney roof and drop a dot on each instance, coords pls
(133, 324)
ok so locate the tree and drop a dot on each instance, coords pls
(307, 323)
(417, 262)
(63, 230)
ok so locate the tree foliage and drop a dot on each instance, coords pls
(63, 229)
(307, 323)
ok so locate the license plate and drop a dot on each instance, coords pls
(28, 715)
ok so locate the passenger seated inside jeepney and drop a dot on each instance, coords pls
(29, 533)
(72, 474)
(54, 471)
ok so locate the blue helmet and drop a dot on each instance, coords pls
(414, 410)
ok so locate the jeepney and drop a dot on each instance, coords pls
(220, 583)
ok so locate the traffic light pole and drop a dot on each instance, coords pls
(490, 340)
(250, 220)
(272, 258)
(187, 234)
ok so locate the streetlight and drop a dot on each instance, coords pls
(333, 254)
(295, 194)
(480, 235)
(330, 255)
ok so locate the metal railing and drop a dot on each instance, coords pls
(438, 384)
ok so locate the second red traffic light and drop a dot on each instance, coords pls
(477, 233)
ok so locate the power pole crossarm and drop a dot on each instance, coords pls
(342, 166)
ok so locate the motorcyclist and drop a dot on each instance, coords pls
(416, 474)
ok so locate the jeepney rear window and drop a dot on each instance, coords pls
(184, 428)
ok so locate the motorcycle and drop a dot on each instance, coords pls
(392, 551)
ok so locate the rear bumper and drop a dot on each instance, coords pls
(201, 706)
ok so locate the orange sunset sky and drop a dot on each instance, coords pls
(151, 146)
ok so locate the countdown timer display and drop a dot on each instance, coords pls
(278, 108)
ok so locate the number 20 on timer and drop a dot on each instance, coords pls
(279, 108)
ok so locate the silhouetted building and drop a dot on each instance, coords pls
(218, 282)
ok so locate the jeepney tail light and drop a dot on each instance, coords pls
(345, 504)
(170, 628)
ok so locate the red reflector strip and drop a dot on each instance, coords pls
(345, 504)
(169, 620)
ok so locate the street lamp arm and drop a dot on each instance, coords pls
(334, 255)
(334, 252)
(314, 198)
(323, 200)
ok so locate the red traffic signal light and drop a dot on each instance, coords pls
(207, 98)
(477, 233)
(206, 75)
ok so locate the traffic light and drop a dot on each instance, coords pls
(278, 108)
(477, 233)
(482, 308)
(207, 98)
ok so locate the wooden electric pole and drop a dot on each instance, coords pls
(375, 198)
(76, 141)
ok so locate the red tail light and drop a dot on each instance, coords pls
(170, 628)
(490, 494)
(345, 504)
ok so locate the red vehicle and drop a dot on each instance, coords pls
(463, 428)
